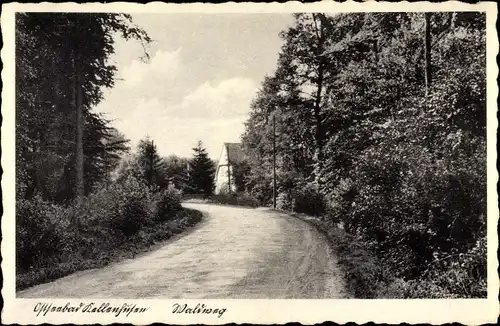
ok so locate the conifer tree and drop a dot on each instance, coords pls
(201, 172)
(150, 164)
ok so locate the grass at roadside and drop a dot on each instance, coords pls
(368, 276)
(142, 241)
(364, 274)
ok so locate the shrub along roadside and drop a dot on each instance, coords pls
(233, 199)
(111, 224)
(141, 242)
(236, 199)
(368, 276)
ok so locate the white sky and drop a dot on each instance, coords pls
(203, 73)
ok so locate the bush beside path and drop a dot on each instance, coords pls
(367, 274)
(115, 223)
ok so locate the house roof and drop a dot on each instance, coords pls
(235, 152)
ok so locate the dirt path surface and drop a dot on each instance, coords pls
(233, 253)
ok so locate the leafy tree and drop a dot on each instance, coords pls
(382, 117)
(296, 96)
(176, 169)
(201, 172)
(241, 172)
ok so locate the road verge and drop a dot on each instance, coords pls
(141, 242)
(362, 272)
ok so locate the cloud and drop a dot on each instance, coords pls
(176, 104)
(227, 99)
(213, 112)
(140, 82)
(164, 65)
(199, 81)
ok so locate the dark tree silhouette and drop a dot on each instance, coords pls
(201, 172)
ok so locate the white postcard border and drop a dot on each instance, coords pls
(465, 311)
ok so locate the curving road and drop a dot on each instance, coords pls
(233, 253)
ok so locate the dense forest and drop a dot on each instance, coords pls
(380, 129)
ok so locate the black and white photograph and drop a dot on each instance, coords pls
(193, 156)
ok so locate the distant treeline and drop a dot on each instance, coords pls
(380, 128)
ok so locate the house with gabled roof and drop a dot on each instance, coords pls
(231, 153)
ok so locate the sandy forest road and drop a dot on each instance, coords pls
(233, 253)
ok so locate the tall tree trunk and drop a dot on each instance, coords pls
(427, 49)
(319, 135)
(79, 159)
(151, 171)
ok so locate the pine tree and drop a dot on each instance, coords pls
(201, 172)
(150, 164)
